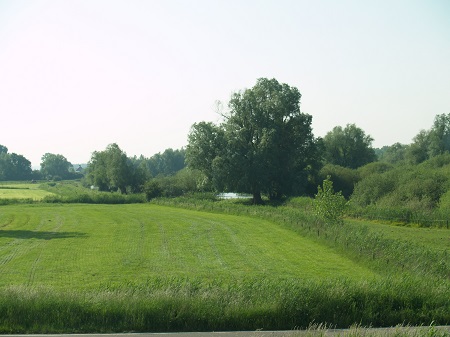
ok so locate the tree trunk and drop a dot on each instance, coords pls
(257, 200)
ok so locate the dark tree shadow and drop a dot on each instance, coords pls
(27, 234)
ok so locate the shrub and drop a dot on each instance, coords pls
(370, 189)
(152, 189)
(328, 205)
(374, 168)
(344, 179)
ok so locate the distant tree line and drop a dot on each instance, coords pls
(112, 170)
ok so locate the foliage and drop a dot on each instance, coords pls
(183, 182)
(394, 154)
(406, 193)
(328, 205)
(374, 168)
(167, 163)
(54, 166)
(265, 144)
(418, 187)
(206, 143)
(343, 178)
(152, 189)
(112, 170)
(13, 166)
(433, 142)
(373, 187)
(348, 147)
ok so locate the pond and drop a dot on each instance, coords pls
(232, 195)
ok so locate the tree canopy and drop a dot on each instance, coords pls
(167, 163)
(13, 166)
(348, 147)
(55, 165)
(112, 170)
(430, 143)
(264, 145)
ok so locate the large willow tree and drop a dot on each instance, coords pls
(265, 144)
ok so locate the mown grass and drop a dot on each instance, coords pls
(361, 241)
(11, 191)
(83, 246)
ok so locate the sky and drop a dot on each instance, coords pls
(78, 75)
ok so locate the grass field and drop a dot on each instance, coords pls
(87, 246)
(144, 267)
(22, 191)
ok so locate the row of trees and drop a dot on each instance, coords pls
(109, 169)
(426, 144)
(16, 167)
(112, 170)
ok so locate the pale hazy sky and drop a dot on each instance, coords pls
(78, 75)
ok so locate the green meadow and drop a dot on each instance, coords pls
(79, 268)
(93, 246)
(23, 191)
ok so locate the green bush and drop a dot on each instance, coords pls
(373, 187)
(374, 168)
(152, 189)
(328, 205)
(343, 178)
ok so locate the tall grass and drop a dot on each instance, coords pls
(246, 304)
(74, 192)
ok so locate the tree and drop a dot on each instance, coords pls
(206, 143)
(108, 169)
(348, 147)
(55, 165)
(393, 154)
(328, 205)
(13, 166)
(418, 150)
(21, 167)
(167, 163)
(112, 170)
(439, 136)
(343, 178)
(430, 143)
(265, 144)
